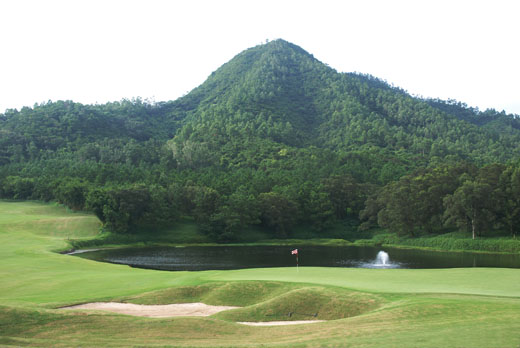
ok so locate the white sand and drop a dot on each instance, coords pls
(155, 311)
(276, 323)
(176, 310)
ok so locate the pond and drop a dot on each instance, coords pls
(237, 257)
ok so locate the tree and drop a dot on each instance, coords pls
(277, 212)
(16, 187)
(237, 212)
(509, 199)
(120, 209)
(345, 195)
(470, 206)
(399, 207)
(72, 193)
(369, 214)
(206, 201)
(96, 200)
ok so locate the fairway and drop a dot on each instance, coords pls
(477, 307)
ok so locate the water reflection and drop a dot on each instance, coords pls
(236, 257)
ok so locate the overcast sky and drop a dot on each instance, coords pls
(98, 51)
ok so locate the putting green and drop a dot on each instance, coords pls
(475, 307)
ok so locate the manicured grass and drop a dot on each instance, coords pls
(185, 232)
(380, 308)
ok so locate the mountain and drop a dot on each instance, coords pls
(273, 137)
(279, 92)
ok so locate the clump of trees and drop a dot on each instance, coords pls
(479, 200)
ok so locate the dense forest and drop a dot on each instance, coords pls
(277, 139)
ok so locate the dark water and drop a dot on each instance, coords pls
(237, 257)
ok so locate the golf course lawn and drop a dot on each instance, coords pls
(477, 307)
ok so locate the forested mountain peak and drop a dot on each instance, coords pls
(268, 84)
(280, 93)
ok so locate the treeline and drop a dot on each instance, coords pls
(478, 200)
(482, 201)
(221, 214)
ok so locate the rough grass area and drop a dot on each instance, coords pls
(415, 321)
(478, 307)
(217, 293)
(307, 303)
(269, 301)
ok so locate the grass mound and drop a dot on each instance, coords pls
(307, 303)
(216, 293)
(269, 301)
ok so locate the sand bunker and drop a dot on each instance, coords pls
(276, 323)
(155, 311)
(176, 310)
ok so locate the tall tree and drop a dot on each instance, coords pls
(470, 206)
(277, 212)
(509, 199)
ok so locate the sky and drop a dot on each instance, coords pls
(98, 51)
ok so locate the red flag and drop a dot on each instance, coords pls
(294, 252)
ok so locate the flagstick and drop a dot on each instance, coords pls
(295, 252)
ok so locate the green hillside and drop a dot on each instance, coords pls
(275, 139)
(281, 93)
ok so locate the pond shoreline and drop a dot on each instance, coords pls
(270, 242)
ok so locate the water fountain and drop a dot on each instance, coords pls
(382, 258)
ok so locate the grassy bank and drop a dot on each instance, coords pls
(455, 241)
(344, 233)
(364, 308)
